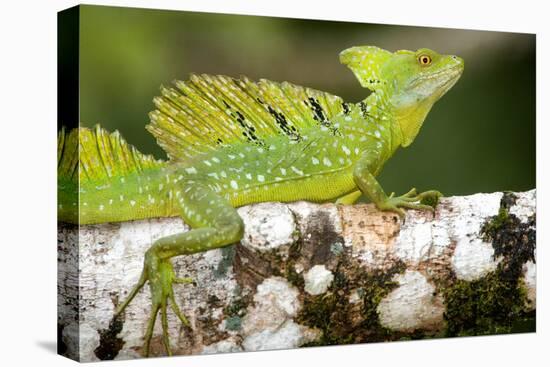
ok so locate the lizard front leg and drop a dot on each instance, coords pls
(216, 224)
(363, 175)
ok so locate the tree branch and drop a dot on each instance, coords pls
(308, 274)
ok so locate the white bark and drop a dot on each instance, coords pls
(98, 266)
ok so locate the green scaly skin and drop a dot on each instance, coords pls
(336, 160)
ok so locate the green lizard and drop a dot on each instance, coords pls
(232, 142)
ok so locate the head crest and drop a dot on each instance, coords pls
(366, 63)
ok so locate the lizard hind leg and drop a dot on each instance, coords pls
(215, 224)
(350, 198)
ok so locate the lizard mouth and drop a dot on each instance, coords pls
(449, 73)
(439, 82)
(453, 76)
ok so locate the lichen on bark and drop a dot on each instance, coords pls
(495, 303)
(468, 269)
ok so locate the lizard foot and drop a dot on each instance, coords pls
(161, 276)
(426, 200)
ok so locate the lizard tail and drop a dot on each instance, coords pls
(93, 158)
(85, 154)
(90, 160)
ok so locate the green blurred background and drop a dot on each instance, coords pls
(479, 138)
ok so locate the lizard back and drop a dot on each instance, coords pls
(213, 116)
(208, 112)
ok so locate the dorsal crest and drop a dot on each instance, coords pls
(86, 154)
(366, 63)
(208, 112)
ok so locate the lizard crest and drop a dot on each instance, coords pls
(411, 81)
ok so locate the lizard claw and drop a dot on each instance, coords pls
(411, 200)
(161, 276)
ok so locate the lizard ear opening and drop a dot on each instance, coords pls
(366, 63)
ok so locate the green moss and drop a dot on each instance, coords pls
(512, 240)
(236, 308)
(319, 312)
(431, 200)
(340, 281)
(330, 312)
(495, 303)
(235, 311)
(376, 287)
(290, 274)
(526, 323)
(496, 222)
(293, 277)
(489, 305)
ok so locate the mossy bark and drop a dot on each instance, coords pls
(468, 269)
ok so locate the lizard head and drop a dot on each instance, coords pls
(412, 80)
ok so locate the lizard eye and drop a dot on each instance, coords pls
(424, 60)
